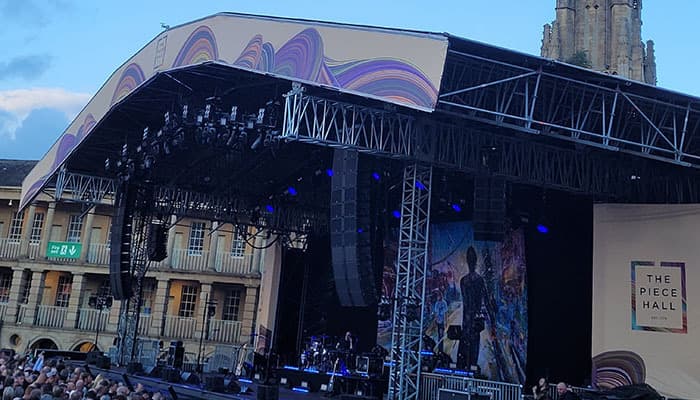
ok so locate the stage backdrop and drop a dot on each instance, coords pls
(503, 341)
(646, 297)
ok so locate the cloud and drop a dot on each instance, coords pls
(28, 12)
(27, 67)
(16, 105)
(35, 135)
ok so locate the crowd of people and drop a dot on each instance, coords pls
(37, 378)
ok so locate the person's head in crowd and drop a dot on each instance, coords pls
(561, 388)
(157, 396)
(122, 390)
(75, 395)
(19, 378)
(79, 385)
(57, 392)
(35, 394)
(120, 397)
(105, 397)
(8, 393)
(91, 394)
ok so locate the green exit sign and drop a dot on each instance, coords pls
(63, 250)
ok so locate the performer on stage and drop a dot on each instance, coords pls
(539, 391)
(565, 393)
(473, 296)
(348, 343)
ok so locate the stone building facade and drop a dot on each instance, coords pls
(604, 33)
(45, 300)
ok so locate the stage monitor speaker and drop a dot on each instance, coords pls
(189, 378)
(351, 233)
(489, 208)
(157, 242)
(120, 244)
(171, 375)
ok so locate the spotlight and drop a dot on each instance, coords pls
(420, 185)
(396, 214)
(376, 176)
(270, 208)
(542, 229)
(360, 230)
(329, 172)
(456, 207)
(292, 191)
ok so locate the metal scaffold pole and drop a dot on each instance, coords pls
(409, 294)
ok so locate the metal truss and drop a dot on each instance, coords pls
(465, 148)
(409, 292)
(83, 188)
(316, 120)
(130, 310)
(598, 111)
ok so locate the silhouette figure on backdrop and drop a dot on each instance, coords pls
(473, 295)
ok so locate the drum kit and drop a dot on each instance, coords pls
(320, 353)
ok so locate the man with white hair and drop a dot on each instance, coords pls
(565, 393)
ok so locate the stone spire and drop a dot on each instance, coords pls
(605, 35)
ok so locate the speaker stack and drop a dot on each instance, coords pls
(351, 233)
(489, 208)
(120, 243)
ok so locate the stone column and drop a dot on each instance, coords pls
(76, 294)
(249, 310)
(35, 290)
(204, 295)
(24, 244)
(87, 234)
(46, 234)
(213, 245)
(160, 305)
(15, 292)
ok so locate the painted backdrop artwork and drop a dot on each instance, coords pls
(478, 287)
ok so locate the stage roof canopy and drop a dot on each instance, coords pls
(415, 72)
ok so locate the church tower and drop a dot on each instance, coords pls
(604, 35)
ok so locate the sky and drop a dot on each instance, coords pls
(57, 53)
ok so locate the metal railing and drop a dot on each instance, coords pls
(50, 316)
(552, 390)
(33, 251)
(431, 384)
(230, 264)
(144, 324)
(98, 254)
(10, 248)
(21, 314)
(179, 327)
(90, 318)
(181, 259)
(224, 331)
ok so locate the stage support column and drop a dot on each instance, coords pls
(159, 307)
(46, 234)
(76, 294)
(249, 308)
(171, 242)
(409, 294)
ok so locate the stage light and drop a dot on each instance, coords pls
(360, 230)
(396, 214)
(270, 208)
(329, 172)
(420, 185)
(292, 191)
(456, 207)
(542, 228)
(376, 176)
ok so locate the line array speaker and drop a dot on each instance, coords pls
(120, 243)
(351, 251)
(489, 208)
